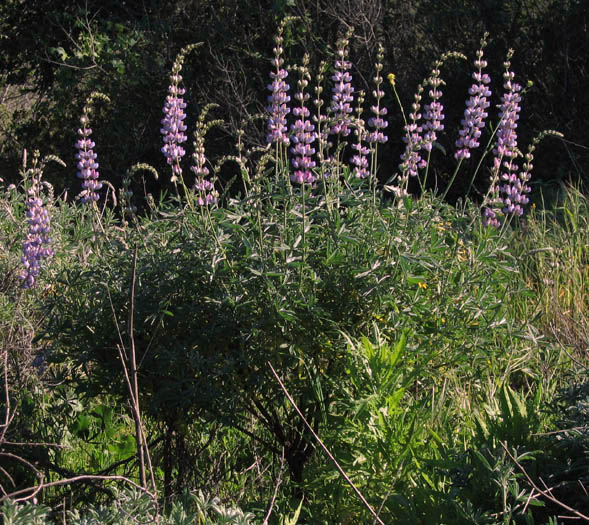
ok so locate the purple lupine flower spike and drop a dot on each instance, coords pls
(378, 123)
(343, 92)
(278, 101)
(173, 128)
(475, 112)
(411, 158)
(360, 160)
(86, 156)
(36, 245)
(505, 170)
(434, 111)
(303, 132)
(207, 195)
(87, 165)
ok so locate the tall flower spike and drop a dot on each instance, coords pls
(86, 157)
(411, 159)
(320, 119)
(278, 100)
(475, 112)
(434, 111)
(206, 189)
(36, 245)
(343, 92)
(378, 123)
(173, 128)
(303, 131)
(359, 160)
(505, 150)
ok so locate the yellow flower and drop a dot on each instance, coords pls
(422, 285)
(391, 78)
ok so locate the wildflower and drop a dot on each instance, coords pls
(278, 101)
(205, 188)
(36, 245)
(87, 165)
(343, 92)
(391, 77)
(512, 191)
(319, 118)
(378, 122)
(434, 111)
(507, 189)
(411, 158)
(303, 131)
(474, 114)
(359, 160)
(173, 127)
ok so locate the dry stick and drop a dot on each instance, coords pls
(278, 483)
(325, 449)
(83, 477)
(135, 385)
(7, 419)
(136, 415)
(545, 493)
(141, 434)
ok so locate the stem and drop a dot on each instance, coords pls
(324, 448)
(135, 382)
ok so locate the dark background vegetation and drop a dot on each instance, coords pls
(54, 53)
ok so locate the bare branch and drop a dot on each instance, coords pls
(325, 449)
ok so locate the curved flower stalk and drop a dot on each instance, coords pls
(343, 91)
(475, 112)
(86, 156)
(36, 244)
(207, 195)
(173, 127)
(303, 131)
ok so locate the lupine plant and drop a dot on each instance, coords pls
(211, 295)
(302, 131)
(342, 91)
(173, 128)
(506, 188)
(86, 156)
(475, 113)
(36, 246)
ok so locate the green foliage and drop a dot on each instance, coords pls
(428, 352)
(133, 507)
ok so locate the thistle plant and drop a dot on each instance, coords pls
(303, 131)
(475, 112)
(173, 127)
(86, 156)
